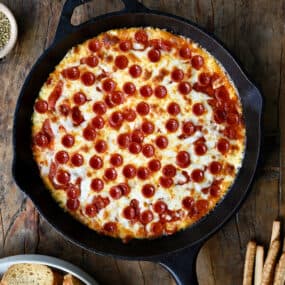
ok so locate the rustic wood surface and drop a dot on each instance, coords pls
(254, 32)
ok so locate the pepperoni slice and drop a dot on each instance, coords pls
(99, 108)
(134, 148)
(197, 61)
(185, 52)
(137, 136)
(172, 125)
(135, 71)
(143, 173)
(98, 122)
(110, 173)
(220, 116)
(77, 159)
(223, 146)
(165, 182)
(154, 165)
(202, 206)
(110, 227)
(117, 97)
(169, 170)
(148, 190)
(129, 171)
(143, 108)
(173, 109)
(157, 228)
(177, 75)
(200, 149)
(141, 36)
(41, 140)
(154, 55)
(124, 140)
(197, 175)
(97, 184)
(62, 157)
(198, 109)
(63, 177)
(116, 192)
(160, 207)
(121, 61)
(109, 85)
(129, 213)
(41, 106)
(146, 217)
(116, 160)
(125, 45)
(124, 188)
(160, 91)
(72, 204)
(88, 78)
(146, 91)
(64, 109)
(161, 142)
(129, 88)
(54, 95)
(71, 73)
(91, 210)
(222, 94)
(96, 162)
(77, 116)
(188, 128)
(94, 45)
(184, 87)
(129, 115)
(148, 150)
(68, 140)
(116, 119)
(79, 98)
(101, 146)
(73, 192)
(183, 159)
(89, 133)
(204, 79)
(215, 167)
(91, 61)
(188, 203)
(233, 119)
(148, 127)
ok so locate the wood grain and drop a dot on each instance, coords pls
(254, 32)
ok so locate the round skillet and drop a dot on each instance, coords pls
(178, 252)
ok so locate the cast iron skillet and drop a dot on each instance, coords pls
(177, 253)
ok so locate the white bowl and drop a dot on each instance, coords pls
(14, 31)
(52, 262)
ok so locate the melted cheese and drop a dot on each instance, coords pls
(172, 196)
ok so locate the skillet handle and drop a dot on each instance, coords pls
(182, 265)
(65, 27)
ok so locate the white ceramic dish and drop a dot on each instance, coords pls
(14, 31)
(52, 262)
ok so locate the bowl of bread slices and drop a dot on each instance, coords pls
(33, 269)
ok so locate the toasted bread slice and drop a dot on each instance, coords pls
(30, 274)
(68, 279)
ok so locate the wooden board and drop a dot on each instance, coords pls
(254, 32)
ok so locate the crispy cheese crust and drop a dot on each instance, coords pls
(189, 100)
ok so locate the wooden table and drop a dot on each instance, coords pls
(254, 32)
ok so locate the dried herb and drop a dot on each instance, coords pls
(5, 30)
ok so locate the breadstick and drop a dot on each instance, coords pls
(259, 259)
(275, 231)
(249, 262)
(269, 264)
(279, 278)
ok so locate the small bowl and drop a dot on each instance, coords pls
(13, 33)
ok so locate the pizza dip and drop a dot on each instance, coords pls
(138, 133)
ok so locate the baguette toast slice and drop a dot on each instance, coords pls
(71, 280)
(30, 274)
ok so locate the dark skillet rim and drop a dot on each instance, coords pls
(228, 215)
